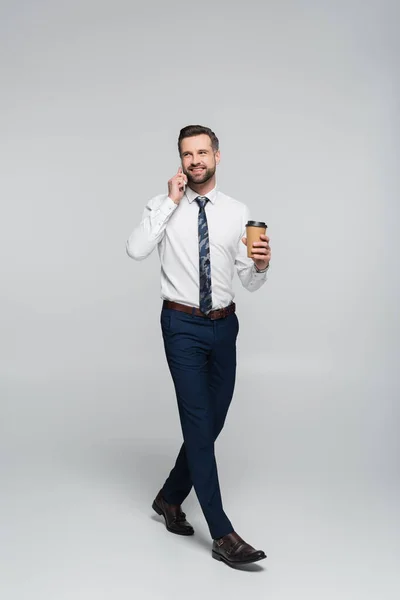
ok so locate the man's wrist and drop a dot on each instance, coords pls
(261, 270)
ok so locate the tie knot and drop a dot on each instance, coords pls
(202, 201)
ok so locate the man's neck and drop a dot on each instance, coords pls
(203, 188)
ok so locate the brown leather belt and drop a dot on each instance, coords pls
(219, 313)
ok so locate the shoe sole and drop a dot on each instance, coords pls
(232, 563)
(160, 512)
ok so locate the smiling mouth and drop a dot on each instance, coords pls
(198, 169)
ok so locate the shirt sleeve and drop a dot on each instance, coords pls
(151, 229)
(251, 279)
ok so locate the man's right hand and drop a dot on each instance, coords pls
(176, 186)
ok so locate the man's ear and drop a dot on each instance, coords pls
(217, 157)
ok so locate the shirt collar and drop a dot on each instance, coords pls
(191, 195)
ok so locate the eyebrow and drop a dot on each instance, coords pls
(200, 150)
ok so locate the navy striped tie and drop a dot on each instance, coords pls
(204, 258)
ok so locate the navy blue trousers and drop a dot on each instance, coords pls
(201, 356)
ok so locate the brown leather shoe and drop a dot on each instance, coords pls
(175, 518)
(233, 550)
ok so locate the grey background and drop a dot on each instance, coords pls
(304, 98)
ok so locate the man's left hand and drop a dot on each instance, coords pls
(261, 252)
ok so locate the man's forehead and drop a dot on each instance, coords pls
(197, 142)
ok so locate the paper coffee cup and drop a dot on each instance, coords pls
(254, 229)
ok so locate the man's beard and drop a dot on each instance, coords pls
(208, 173)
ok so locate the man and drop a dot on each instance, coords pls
(199, 232)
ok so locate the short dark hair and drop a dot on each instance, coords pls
(192, 130)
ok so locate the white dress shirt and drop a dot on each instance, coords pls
(174, 229)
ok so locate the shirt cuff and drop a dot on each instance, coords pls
(168, 206)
